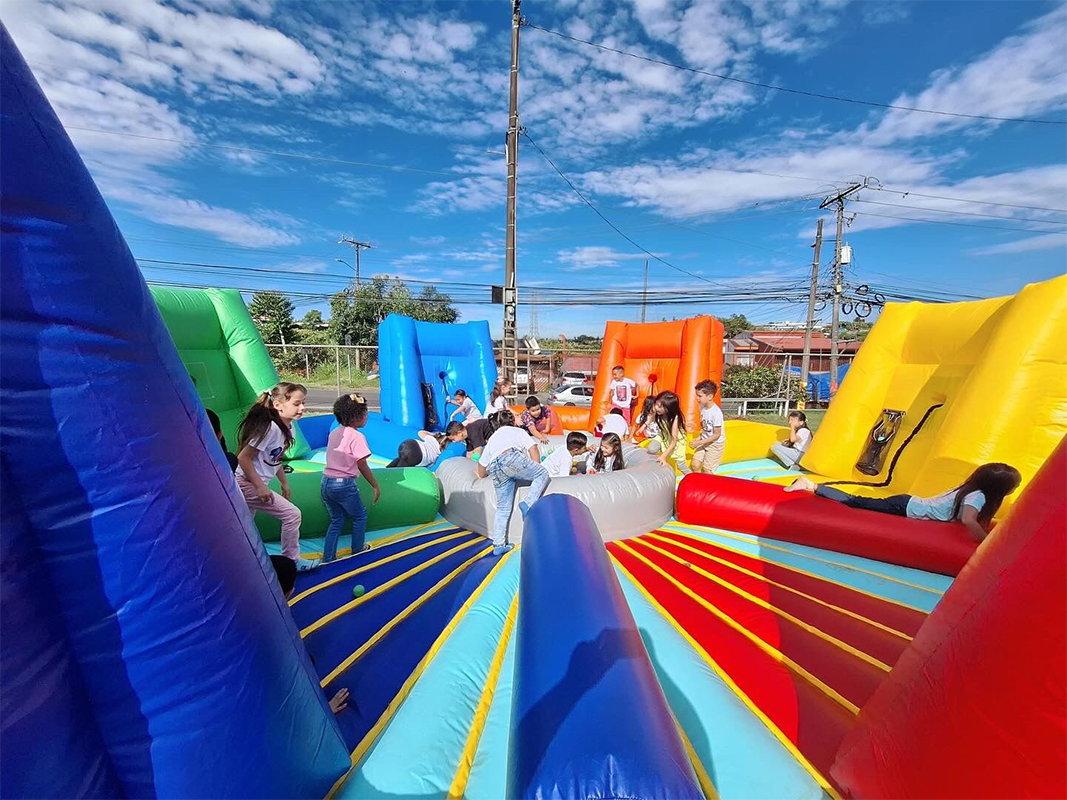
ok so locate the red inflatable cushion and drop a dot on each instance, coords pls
(764, 509)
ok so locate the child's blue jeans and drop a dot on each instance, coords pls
(341, 498)
(506, 469)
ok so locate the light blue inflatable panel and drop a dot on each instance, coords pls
(489, 774)
(742, 756)
(447, 357)
(193, 668)
(420, 749)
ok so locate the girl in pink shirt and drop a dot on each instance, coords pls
(346, 460)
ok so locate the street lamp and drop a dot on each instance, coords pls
(342, 261)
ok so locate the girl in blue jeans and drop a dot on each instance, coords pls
(346, 459)
(511, 455)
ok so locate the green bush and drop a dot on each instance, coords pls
(746, 381)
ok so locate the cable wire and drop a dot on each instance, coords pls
(803, 92)
(964, 213)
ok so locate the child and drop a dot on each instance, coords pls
(559, 463)
(623, 392)
(607, 457)
(645, 424)
(498, 398)
(974, 502)
(286, 572)
(421, 452)
(262, 437)
(475, 435)
(669, 426)
(216, 426)
(346, 458)
(509, 456)
(537, 420)
(613, 422)
(790, 451)
(467, 408)
(707, 450)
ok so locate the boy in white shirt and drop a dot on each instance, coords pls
(613, 422)
(708, 449)
(623, 392)
(559, 463)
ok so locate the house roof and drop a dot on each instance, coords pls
(793, 341)
(581, 363)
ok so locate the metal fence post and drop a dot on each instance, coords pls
(307, 364)
(337, 362)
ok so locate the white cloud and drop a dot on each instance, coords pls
(580, 259)
(1048, 241)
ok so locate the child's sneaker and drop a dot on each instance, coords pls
(306, 565)
(523, 509)
(501, 549)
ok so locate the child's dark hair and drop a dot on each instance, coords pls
(460, 393)
(672, 412)
(497, 387)
(707, 387)
(801, 416)
(576, 441)
(599, 460)
(285, 569)
(616, 411)
(646, 412)
(996, 481)
(618, 366)
(453, 428)
(262, 413)
(216, 425)
(504, 418)
(532, 402)
(350, 409)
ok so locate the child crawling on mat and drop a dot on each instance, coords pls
(973, 503)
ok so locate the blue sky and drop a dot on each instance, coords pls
(720, 179)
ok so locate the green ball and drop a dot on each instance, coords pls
(358, 590)
(475, 456)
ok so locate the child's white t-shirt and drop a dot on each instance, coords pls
(710, 419)
(940, 507)
(590, 461)
(623, 392)
(614, 423)
(431, 451)
(507, 438)
(803, 440)
(469, 411)
(558, 463)
(497, 405)
(269, 450)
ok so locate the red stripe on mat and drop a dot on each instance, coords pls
(867, 638)
(897, 617)
(808, 717)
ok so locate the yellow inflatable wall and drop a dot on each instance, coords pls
(999, 366)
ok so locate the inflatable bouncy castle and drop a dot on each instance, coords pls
(147, 650)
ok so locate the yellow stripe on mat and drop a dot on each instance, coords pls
(382, 632)
(396, 537)
(761, 542)
(372, 735)
(481, 712)
(378, 563)
(773, 652)
(379, 590)
(759, 601)
(725, 677)
(703, 778)
(796, 570)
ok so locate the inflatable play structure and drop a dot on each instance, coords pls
(146, 649)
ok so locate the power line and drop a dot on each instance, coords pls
(964, 213)
(803, 92)
(956, 224)
(970, 200)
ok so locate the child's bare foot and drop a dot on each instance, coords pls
(801, 484)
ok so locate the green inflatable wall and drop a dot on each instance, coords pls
(221, 348)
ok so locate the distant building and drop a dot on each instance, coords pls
(770, 348)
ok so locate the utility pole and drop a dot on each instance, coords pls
(357, 246)
(805, 363)
(839, 201)
(644, 293)
(510, 356)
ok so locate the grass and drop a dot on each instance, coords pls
(815, 416)
(325, 377)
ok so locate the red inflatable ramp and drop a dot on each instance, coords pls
(764, 509)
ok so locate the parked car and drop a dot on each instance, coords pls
(580, 395)
(572, 378)
(521, 381)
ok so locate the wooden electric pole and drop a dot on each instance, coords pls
(835, 321)
(805, 363)
(510, 356)
(357, 246)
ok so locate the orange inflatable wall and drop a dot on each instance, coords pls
(677, 354)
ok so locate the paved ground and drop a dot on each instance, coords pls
(322, 399)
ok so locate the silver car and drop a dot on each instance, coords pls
(580, 395)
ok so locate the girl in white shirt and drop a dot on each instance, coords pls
(511, 455)
(790, 451)
(973, 503)
(263, 436)
(607, 457)
(498, 398)
(467, 410)
(421, 452)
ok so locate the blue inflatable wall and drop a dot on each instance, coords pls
(447, 357)
(589, 719)
(147, 649)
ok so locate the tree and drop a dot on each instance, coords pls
(735, 324)
(312, 319)
(272, 314)
(358, 312)
(754, 381)
(856, 330)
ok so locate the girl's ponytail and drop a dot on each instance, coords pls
(262, 413)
